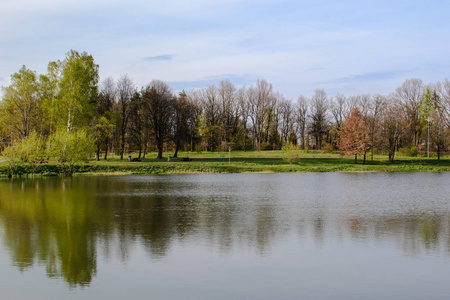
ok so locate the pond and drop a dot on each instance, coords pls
(233, 236)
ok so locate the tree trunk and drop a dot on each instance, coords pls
(391, 155)
(356, 158)
(160, 151)
(371, 150)
(177, 146)
(438, 152)
(106, 149)
(122, 148)
(97, 157)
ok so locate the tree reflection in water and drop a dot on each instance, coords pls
(64, 223)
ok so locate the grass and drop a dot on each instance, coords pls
(241, 162)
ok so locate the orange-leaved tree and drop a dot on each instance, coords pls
(353, 138)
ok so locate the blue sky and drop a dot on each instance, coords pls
(347, 47)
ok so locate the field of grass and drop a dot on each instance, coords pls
(240, 162)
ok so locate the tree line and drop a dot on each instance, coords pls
(117, 117)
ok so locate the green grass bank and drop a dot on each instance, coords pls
(237, 162)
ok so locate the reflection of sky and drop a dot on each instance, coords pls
(344, 47)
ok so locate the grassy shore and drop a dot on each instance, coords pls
(238, 162)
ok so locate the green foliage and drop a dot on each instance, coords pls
(71, 147)
(21, 103)
(406, 151)
(291, 153)
(11, 159)
(77, 90)
(103, 130)
(267, 146)
(293, 139)
(198, 148)
(29, 150)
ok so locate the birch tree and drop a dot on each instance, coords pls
(21, 103)
(78, 90)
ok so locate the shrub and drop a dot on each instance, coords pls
(198, 148)
(404, 151)
(291, 153)
(70, 148)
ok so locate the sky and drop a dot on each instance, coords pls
(346, 47)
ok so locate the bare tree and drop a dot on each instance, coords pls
(183, 115)
(244, 112)
(125, 90)
(392, 126)
(262, 105)
(444, 100)
(136, 124)
(107, 96)
(302, 119)
(377, 107)
(409, 95)
(211, 129)
(211, 105)
(159, 104)
(338, 108)
(229, 113)
(107, 99)
(319, 119)
(194, 122)
(286, 113)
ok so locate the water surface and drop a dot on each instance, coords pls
(234, 236)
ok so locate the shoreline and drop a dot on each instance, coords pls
(245, 163)
(174, 170)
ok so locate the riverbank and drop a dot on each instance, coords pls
(238, 162)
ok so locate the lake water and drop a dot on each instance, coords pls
(234, 236)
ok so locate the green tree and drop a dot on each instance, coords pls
(29, 150)
(77, 90)
(70, 147)
(48, 92)
(102, 132)
(21, 103)
(11, 158)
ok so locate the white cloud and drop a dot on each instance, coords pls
(293, 44)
